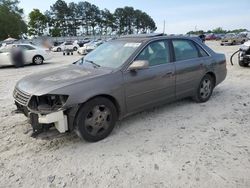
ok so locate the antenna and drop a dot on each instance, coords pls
(164, 23)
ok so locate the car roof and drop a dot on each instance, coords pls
(148, 37)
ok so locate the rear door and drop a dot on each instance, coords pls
(190, 61)
(156, 84)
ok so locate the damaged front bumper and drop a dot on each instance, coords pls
(39, 121)
(57, 118)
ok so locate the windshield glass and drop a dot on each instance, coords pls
(112, 54)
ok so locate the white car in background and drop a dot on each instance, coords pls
(88, 47)
(32, 54)
(66, 46)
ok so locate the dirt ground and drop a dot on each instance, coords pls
(183, 144)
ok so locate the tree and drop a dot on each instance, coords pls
(60, 13)
(11, 22)
(37, 23)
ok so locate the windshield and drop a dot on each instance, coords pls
(112, 54)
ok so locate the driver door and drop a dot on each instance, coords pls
(153, 85)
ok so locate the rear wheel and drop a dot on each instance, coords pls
(38, 60)
(75, 48)
(96, 119)
(59, 50)
(205, 89)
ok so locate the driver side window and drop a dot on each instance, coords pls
(155, 53)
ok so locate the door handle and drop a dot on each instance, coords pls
(168, 74)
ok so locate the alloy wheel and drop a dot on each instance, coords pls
(205, 88)
(38, 60)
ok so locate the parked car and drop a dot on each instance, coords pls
(82, 42)
(32, 54)
(66, 46)
(88, 47)
(211, 37)
(117, 79)
(232, 39)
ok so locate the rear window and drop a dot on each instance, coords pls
(184, 50)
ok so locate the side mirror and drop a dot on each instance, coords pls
(138, 65)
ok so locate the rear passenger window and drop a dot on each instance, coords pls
(184, 49)
(155, 53)
(202, 52)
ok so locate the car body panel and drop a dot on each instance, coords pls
(5, 59)
(147, 86)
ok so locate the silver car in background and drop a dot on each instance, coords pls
(117, 79)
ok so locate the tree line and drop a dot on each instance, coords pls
(218, 30)
(84, 18)
(72, 19)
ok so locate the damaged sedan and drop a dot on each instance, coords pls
(117, 79)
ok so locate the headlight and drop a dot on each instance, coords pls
(47, 103)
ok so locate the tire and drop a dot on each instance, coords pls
(38, 60)
(96, 119)
(205, 89)
(243, 64)
(243, 41)
(75, 48)
(59, 50)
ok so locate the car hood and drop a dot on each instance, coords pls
(48, 81)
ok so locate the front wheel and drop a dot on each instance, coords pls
(205, 89)
(75, 48)
(96, 119)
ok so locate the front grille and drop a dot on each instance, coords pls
(21, 97)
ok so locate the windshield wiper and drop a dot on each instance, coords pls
(92, 62)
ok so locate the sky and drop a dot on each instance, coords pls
(180, 16)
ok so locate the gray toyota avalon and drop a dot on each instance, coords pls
(117, 79)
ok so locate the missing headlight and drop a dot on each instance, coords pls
(47, 103)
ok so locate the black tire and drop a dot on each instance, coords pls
(75, 48)
(243, 64)
(204, 92)
(38, 60)
(243, 41)
(59, 50)
(96, 119)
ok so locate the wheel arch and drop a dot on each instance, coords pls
(111, 98)
(73, 112)
(212, 74)
(37, 55)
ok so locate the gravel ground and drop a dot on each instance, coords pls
(183, 144)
